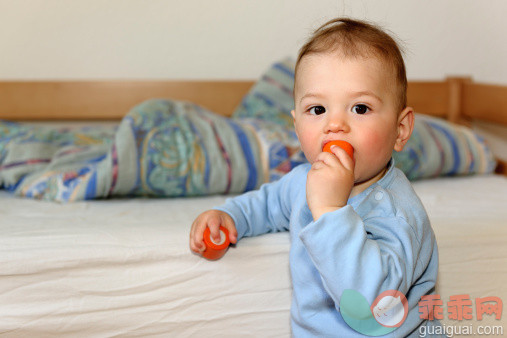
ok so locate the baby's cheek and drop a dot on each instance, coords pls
(372, 141)
(310, 146)
(376, 145)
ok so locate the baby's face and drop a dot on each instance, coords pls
(346, 99)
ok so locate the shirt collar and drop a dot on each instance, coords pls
(384, 182)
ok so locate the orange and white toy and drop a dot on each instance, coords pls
(215, 250)
(342, 144)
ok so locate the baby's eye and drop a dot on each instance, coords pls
(317, 110)
(360, 109)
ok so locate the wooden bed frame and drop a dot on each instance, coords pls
(457, 99)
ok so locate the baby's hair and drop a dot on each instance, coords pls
(352, 39)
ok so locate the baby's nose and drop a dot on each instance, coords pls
(336, 123)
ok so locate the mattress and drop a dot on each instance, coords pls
(122, 267)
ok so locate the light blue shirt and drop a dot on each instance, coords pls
(381, 240)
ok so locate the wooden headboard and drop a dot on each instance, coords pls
(458, 99)
(110, 100)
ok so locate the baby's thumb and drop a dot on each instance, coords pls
(214, 228)
(228, 223)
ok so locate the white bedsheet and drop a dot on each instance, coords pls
(123, 268)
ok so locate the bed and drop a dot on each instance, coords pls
(122, 267)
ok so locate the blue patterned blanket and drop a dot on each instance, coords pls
(160, 148)
(167, 148)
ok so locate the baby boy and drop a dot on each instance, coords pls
(355, 222)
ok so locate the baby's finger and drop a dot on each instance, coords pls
(197, 247)
(343, 157)
(228, 223)
(326, 159)
(196, 236)
(214, 227)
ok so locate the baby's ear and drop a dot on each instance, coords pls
(405, 127)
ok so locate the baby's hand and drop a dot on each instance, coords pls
(212, 219)
(330, 181)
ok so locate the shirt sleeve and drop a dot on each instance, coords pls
(264, 210)
(369, 256)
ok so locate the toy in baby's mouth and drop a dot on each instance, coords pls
(342, 144)
(215, 250)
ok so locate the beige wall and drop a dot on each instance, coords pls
(235, 39)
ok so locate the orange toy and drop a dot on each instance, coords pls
(342, 144)
(216, 250)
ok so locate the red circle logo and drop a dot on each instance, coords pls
(390, 308)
